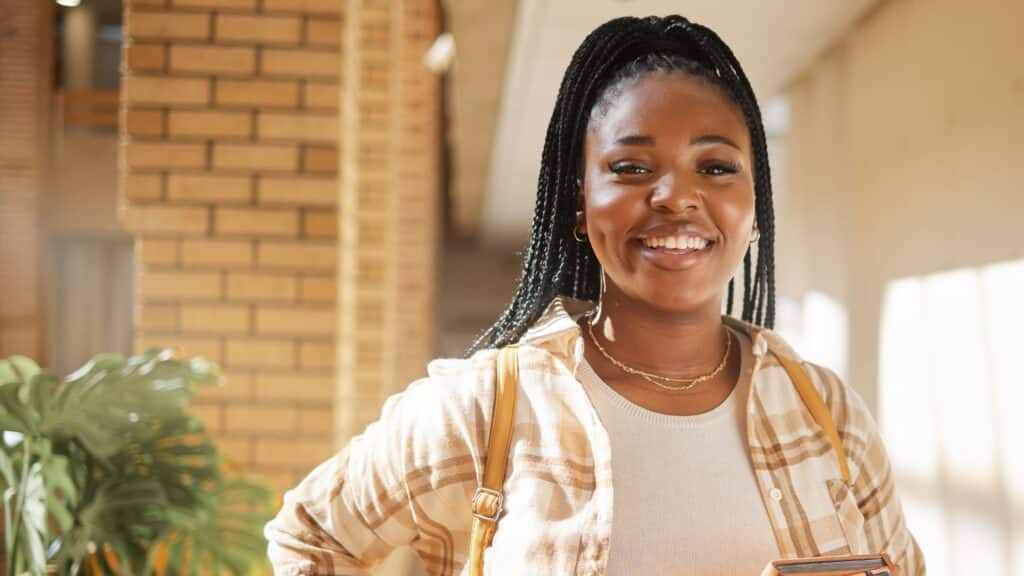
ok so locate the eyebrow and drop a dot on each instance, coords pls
(713, 139)
(643, 140)
(635, 140)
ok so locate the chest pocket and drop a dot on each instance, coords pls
(848, 513)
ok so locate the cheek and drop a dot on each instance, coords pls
(735, 214)
(601, 201)
(611, 211)
(611, 215)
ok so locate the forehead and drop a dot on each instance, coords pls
(666, 105)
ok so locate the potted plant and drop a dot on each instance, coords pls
(106, 472)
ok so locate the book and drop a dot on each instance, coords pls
(865, 565)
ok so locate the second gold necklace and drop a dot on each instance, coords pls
(654, 378)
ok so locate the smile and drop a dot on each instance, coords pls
(676, 242)
(674, 252)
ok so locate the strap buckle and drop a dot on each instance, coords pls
(497, 510)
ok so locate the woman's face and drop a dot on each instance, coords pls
(668, 192)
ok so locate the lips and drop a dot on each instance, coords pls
(668, 254)
(676, 230)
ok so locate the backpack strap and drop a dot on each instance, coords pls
(489, 499)
(818, 409)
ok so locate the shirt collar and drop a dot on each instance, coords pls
(557, 332)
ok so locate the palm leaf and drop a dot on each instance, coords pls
(111, 398)
(119, 467)
(124, 515)
(33, 516)
(229, 540)
(25, 405)
(37, 488)
(61, 492)
(7, 477)
(25, 512)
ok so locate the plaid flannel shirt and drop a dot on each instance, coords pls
(410, 476)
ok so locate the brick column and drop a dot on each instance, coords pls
(389, 213)
(230, 186)
(25, 69)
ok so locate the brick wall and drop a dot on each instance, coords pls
(230, 187)
(389, 216)
(24, 106)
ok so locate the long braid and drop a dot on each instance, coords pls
(624, 48)
(746, 288)
(547, 239)
(728, 301)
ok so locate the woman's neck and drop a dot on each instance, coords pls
(678, 344)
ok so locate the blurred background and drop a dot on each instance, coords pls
(322, 195)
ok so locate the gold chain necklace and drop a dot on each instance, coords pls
(653, 378)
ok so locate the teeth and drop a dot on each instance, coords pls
(676, 242)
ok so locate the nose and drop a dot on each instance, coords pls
(675, 194)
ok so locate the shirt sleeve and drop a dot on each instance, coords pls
(873, 484)
(404, 480)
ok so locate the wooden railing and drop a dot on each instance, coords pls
(88, 109)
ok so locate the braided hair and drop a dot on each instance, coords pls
(615, 52)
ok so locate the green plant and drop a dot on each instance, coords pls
(107, 472)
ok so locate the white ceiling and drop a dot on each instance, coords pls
(774, 41)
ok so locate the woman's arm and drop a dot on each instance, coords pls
(318, 531)
(399, 482)
(884, 524)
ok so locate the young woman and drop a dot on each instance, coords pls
(653, 434)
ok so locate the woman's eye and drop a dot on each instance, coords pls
(720, 169)
(630, 169)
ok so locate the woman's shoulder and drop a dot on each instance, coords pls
(847, 406)
(453, 381)
(469, 384)
(478, 364)
(844, 402)
(439, 416)
(465, 379)
(454, 387)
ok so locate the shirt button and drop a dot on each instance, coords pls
(776, 494)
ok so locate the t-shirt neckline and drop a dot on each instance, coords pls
(594, 383)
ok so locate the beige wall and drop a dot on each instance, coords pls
(82, 197)
(903, 157)
(482, 31)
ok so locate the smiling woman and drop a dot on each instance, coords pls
(727, 451)
(663, 175)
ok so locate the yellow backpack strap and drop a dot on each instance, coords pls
(488, 499)
(818, 409)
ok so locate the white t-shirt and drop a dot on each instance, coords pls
(685, 497)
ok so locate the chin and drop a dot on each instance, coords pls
(674, 301)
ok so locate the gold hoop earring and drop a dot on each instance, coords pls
(576, 235)
(757, 236)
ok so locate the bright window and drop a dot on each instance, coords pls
(816, 327)
(952, 411)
